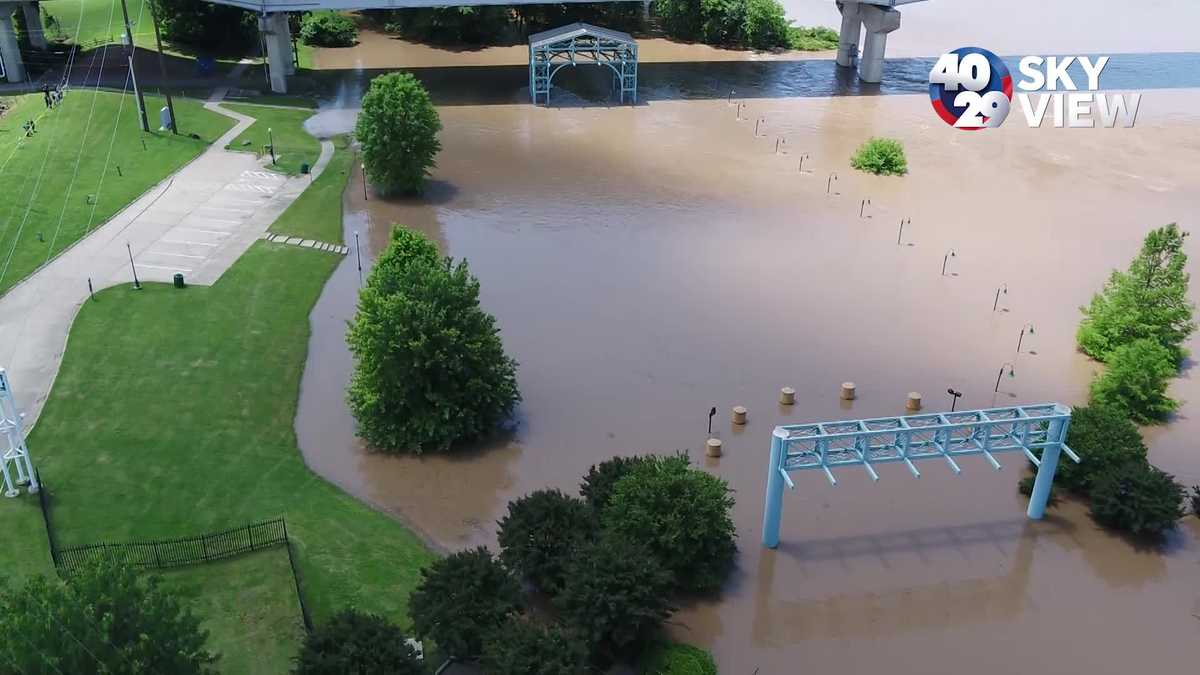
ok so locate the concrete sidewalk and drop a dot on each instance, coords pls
(197, 222)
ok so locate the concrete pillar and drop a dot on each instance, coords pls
(773, 508)
(848, 38)
(272, 25)
(33, 24)
(284, 35)
(10, 52)
(878, 21)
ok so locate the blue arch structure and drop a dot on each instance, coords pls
(552, 50)
(825, 446)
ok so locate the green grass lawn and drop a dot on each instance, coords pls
(88, 22)
(31, 210)
(172, 415)
(293, 145)
(256, 624)
(317, 214)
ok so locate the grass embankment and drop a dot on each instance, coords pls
(317, 214)
(812, 39)
(172, 415)
(45, 205)
(293, 145)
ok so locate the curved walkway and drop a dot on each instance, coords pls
(196, 222)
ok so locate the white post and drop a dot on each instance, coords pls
(10, 51)
(276, 56)
(878, 22)
(850, 34)
(33, 24)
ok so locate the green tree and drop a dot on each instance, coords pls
(597, 486)
(522, 647)
(616, 595)
(328, 29)
(103, 619)
(765, 26)
(1104, 438)
(203, 24)
(1135, 381)
(398, 131)
(1149, 301)
(462, 598)
(541, 532)
(360, 643)
(1137, 498)
(429, 365)
(880, 156)
(682, 515)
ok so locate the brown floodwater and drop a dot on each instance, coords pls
(647, 263)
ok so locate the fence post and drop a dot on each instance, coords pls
(250, 534)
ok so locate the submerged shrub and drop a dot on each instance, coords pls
(597, 486)
(814, 39)
(1137, 498)
(1104, 438)
(682, 514)
(1136, 380)
(540, 534)
(880, 156)
(673, 658)
(462, 598)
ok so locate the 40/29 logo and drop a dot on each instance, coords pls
(971, 88)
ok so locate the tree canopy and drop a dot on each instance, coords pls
(398, 131)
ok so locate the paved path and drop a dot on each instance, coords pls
(197, 222)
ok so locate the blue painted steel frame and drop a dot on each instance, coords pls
(909, 439)
(546, 60)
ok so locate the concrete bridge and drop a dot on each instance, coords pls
(876, 17)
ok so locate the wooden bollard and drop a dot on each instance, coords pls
(787, 396)
(712, 447)
(847, 391)
(739, 414)
(914, 401)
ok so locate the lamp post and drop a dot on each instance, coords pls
(1011, 373)
(900, 234)
(1026, 327)
(137, 285)
(711, 412)
(271, 144)
(954, 396)
(946, 260)
(829, 182)
(802, 158)
(1002, 289)
(358, 256)
(862, 205)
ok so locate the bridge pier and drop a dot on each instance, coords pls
(277, 35)
(10, 51)
(33, 25)
(878, 22)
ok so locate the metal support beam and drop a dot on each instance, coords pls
(910, 439)
(10, 51)
(12, 442)
(578, 44)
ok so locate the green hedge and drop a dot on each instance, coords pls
(678, 659)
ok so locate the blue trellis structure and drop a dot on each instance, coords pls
(552, 50)
(911, 439)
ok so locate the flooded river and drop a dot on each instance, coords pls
(646, 263)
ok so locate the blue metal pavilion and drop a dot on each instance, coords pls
(825, 446)
(552, 50)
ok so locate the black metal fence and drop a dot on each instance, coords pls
(164, 553)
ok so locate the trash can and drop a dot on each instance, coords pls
(304, 169)
(179, 280)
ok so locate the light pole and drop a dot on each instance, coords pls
(137, 285)
(358, 256)
(946, 260)
(829, 182)
(1002, 289)
(954, 396)
(271, 144)
(712, 411)
(1026, 327)
(901, 232)
(802, 158)
(1011, 373)
(862, 205)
